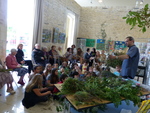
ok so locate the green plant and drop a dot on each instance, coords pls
(71, 86)
(114, 62)
(140, 18)
(107, 88)
(5, 70)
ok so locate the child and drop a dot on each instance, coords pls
(63, 77)
(33, 92)
(118, 70)
(61, 71)
(36, 69)
(87, 74)
(52, 79)
(55, 65)
(97, 70)
(48, 69)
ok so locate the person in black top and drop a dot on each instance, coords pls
(38, 56)
(35, 93)
(20, 58)
(92, 56)
(87, 54)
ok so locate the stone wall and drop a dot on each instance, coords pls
(55, 15)
(3, 28)
(115, 27)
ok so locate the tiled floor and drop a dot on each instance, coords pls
(12, 103)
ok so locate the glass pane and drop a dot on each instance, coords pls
(20, 18)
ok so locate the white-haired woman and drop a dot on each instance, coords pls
(12, 63)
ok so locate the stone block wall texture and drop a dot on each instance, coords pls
(3, 28)
(115, 27)
(55, 16)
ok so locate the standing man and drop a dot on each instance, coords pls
(130, 60)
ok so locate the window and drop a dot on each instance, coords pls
(20, 19)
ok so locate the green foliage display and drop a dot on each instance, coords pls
(140, 18)
(5, 70)
(114, 62)
(110, 88)
(71, 86)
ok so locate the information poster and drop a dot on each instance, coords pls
(111, 45)
(90, 42)
(100, 45)
(120, 45)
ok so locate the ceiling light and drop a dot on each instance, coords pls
(100, 1)
(141, 2)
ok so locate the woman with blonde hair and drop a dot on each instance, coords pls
(48, 69)
(20, 58)
(34, 92)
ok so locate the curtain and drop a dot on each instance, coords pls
(76, 29)
(38, 22)
(3, 28)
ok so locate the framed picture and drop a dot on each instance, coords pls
(62, 37)
(55, 35)
(46, 36)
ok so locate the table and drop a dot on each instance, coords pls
(71, 99)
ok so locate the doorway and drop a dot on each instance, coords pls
(20, 20)
(70, 28)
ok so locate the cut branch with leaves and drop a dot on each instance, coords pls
(139, 18)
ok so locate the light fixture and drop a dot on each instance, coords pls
(139, 2)
(100, 1)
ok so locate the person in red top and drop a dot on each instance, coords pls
(12, 63)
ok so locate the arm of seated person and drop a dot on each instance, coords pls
(49, 83)
(38, 92)
(44, 89)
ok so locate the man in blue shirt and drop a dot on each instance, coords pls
(130, 60)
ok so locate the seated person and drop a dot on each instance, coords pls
(20, 58)
(79, 55)
(66, 67)
(6, 78)
(63, 77)
(38, 56)
(118, 70)
(36, 70)
(12, 63)
(61, 71)
(46, 54)
(69, 55)
(87, 74)
(97, 70)
(55, 65)
(54, 56)
(34, 92)
(85, 66)
(47, 69)
(52, 79)
(75, 75)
